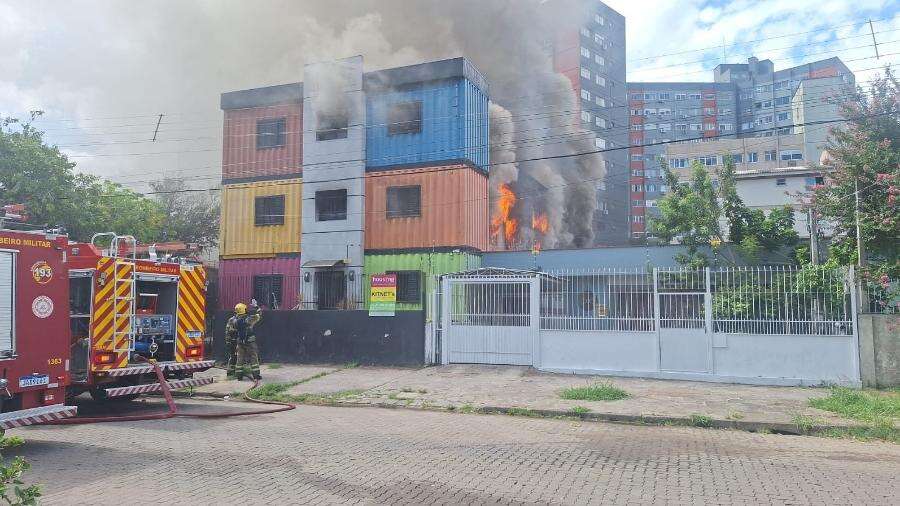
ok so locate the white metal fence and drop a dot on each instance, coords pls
(780, 300)
(605, 299)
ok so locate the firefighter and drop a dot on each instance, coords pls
(231, 341)
(242, 326)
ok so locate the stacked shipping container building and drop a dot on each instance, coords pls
(394, 179)
(259, 241)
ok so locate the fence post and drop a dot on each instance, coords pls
(708, 321)
(447, 301)
(535, 303)
(855, 310)
(656, 317)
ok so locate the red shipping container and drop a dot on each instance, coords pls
(243, 279)
(243, 160)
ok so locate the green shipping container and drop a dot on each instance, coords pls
(428, 265)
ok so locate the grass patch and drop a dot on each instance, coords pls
(272, 392)
(700, 421)
(597, 392)
(735, 415)
(351, 365)
(579, 410)
(277, 391)
(805, 424)
(879, 410)
(881, 429)
(273, 366)
(862, 405)
(522, 412)
(466, 408)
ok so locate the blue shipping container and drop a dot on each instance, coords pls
(454, 126)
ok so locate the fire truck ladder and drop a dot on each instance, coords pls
(124, 295)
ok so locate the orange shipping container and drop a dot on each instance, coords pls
(453, 210)
(256, 230)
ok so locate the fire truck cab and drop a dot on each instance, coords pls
(127, 311)
(34, 348)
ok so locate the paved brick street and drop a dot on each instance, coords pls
(367, 455)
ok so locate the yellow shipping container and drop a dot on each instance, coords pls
(260, 219)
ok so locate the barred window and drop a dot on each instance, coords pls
(270, 133)
(269, 210)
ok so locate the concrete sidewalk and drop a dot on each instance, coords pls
(486, 387)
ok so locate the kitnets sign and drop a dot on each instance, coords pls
(383, 295)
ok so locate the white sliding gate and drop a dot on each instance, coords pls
(781, 325)
(490, 319)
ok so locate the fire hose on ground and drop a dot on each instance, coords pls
(173, 408)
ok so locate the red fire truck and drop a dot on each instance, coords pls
(34, 320)
(126, 311)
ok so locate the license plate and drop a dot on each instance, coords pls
(194, 334)
(34, 380)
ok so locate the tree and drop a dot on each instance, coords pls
(865, 155)
(752, 230)
(40, 176)
(689, 214)
(189, 216)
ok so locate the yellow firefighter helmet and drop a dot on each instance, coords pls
(240, 308)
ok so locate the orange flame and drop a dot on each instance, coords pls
(502, 218)
(539, 223)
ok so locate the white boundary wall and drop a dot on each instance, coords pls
(777, 358)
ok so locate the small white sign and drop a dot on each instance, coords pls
(35, 380)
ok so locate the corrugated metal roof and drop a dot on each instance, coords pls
(450, 68)
(258, 97)
(423, 72)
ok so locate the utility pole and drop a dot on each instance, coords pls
(156, 131)
(874, 42)
(863, 299)
(813, 236)
(860, 246)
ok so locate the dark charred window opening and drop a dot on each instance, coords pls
(267, 289)
(331, 205)
(270, 133)
(405, 118)
(269, 210)
(332, 125)
(331, 289)
(409, 286)
(404, 201)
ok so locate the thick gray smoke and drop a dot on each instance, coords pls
(176, 57)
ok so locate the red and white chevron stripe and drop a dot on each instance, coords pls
(156, 387)
(189, 366)
(165, 366)
(34, 416)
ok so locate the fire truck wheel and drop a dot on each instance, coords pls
(99, 395)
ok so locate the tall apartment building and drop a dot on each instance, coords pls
(592, 56)
(748, 100)
(665, 112)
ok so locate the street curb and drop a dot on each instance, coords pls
(756, 427)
